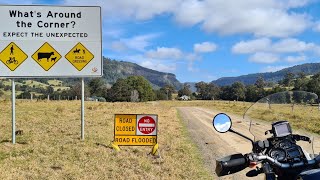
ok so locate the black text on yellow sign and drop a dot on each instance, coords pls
(79, 56)
(125, 125)
(12, 56)
(135, 140)
(46, 56)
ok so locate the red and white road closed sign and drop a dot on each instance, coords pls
(147, 124)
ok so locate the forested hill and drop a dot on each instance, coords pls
(112, 70)
(308, 69)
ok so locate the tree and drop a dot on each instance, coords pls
(120, 91)
(288, 79)
(140, 84)
(260, 83)
(207, 91)
(226, 93)
(97, 87)
(301, 82)
(314, 84)
(168, 90)
(50, 90)
(185, 90)
(75, 90)
(133, 88)
(252, 93)
(238, 90)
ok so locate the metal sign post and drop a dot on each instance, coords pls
(13, 111)
(82, 109)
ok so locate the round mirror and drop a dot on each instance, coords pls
(221, 123)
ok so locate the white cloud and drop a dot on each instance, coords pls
(316, 26)
(287, 45)
(165, 53)
(294, 59)
(223, 127)
(271, 18)
(204, 47)
(159, 66)
(263, 50)
(291, 45)
(273, 68)
(262, 57)
(118, 46)
(139, 42)
(261, 18)
(257, 45)
(137, 9)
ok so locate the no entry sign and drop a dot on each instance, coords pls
(135, 129)
(146, 125)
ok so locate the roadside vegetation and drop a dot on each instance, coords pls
(49, 146)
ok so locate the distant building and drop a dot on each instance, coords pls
(185, 98)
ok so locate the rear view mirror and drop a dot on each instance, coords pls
(222, 123)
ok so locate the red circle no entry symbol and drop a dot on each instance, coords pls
(146, 125)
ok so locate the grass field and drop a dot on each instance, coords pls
(50, 148)
(301, 117)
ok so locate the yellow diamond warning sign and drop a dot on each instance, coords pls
(46, 56)
(12, 56)
(79, 56)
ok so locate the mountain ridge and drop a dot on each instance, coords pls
(307, 68)
(113, 70)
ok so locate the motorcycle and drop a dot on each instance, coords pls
(284, 151)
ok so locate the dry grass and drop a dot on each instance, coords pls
(50, 148)
(297, 118)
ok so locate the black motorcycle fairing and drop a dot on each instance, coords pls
(312, 174)
(231, 164)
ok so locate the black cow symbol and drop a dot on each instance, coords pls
(46, 55)
(53, 59)
(76, 51)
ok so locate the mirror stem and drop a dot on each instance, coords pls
(231, 130)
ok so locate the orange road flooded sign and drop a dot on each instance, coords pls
(135, 129)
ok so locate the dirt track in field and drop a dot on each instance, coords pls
(215, 145)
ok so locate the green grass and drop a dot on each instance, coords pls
(55, 82)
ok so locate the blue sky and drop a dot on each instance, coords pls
(205, 40)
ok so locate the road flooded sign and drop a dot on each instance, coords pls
(135, 130)
(12, 56)
(46, 56)
(79, 56)
(55, 41)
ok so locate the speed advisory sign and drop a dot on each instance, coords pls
(135, 129)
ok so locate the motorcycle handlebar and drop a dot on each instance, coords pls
(235, 162)
(288, 165)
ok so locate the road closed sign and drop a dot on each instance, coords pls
(135, 130)
(50, 41)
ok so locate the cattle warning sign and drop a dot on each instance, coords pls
(50, 41)
(46, 56)
(135, 130)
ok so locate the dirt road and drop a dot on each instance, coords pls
(212, 144)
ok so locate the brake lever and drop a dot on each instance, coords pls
(254, 172)
(301, 138)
